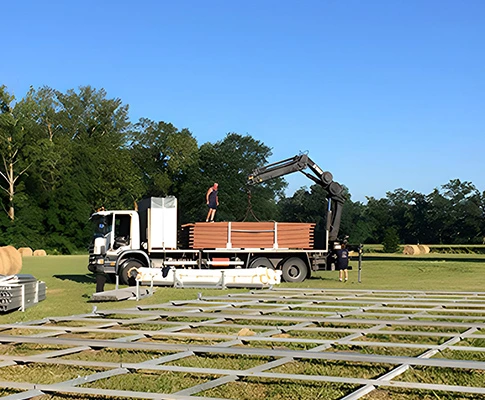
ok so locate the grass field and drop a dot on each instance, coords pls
(478, 249)
(70, 286)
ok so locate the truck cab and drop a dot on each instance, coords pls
(126, 240)
(115, 232)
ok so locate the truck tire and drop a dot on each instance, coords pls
(128, 272)
(261, 262)
(294, 269)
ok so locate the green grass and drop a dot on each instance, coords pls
(27, 349)
(261, 389)
(406, 274)
(115, 355)
(157, 382)
(43, 374)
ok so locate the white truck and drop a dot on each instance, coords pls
(126, 240)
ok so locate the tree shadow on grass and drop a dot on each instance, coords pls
(328, 277)
(77, 278)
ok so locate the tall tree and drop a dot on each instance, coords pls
(98, 129)
(418, 228)
(378, 214)
(49, 147)
(163, 155)
(354, 222)
(13, 140)
(463, 213)
(401, 206)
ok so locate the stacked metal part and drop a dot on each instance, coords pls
(17, 292)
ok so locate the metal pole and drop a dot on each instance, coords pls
(327, 225)
(229, 243)
(22, 308)
(275, 244)
(360, 263)
(223, 281)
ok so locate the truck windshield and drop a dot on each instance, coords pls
(102, 224)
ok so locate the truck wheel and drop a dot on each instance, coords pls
(261, 262)
(128, 272)
(294, 269)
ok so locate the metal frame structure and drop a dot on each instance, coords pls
(274, 316)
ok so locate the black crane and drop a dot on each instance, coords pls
(323, 178)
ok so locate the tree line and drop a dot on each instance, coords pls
(66, 154)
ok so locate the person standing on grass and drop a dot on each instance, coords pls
(212, 200)
(342, 261)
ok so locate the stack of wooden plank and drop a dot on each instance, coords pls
(243, 235)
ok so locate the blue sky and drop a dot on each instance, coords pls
(385, 94)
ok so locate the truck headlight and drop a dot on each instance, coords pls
(100, 261)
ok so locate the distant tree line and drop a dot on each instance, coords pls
(454, 213)
(64, 155)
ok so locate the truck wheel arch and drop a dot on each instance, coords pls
(128, 256)
(136, 255)
(261, 262)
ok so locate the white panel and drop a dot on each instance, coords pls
(163, 224)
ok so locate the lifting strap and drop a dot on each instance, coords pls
(249, 210)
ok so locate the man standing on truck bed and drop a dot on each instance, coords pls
(212, 201)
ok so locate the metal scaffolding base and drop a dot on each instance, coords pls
(273, 328)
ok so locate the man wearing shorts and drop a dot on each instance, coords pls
(342, 261)
(212, 201)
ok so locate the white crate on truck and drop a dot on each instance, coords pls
(159, 218)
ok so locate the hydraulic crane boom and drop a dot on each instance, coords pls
(323, 178)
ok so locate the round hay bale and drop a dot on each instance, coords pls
(26, 252)
(10, 260)
(423, 249)
(15, 260)
(4, 262)
(411, 250)
(407, 250)
(40, 253)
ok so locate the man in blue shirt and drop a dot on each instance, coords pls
(342, 261)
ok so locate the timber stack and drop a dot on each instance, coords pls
(248, 235)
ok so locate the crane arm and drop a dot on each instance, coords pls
(323, 178)
(288, 166)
